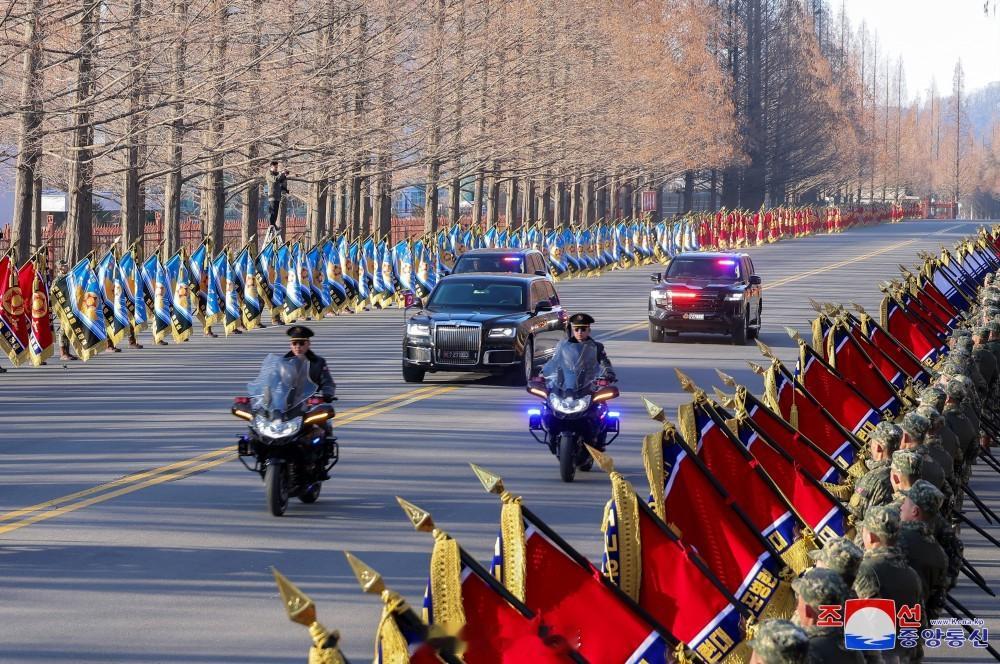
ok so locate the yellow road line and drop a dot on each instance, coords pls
(780, 282)
(179, 469)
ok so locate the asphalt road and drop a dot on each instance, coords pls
(129, 532)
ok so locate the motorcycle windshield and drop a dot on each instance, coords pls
(282, 385)
(573, 368)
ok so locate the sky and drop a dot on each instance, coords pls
(931, 35)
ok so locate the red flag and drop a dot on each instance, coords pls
(896, 321)
(15, 324)
(801, 409)
(893, 349)
(32, 280)
(886, 366)
(802, 450)
(569, 593)
(928, 319)
(942, 314)
(933, 293)
(703, 512)
(854, 364)
(842, 401)
(495, 632)
(738, 473)
(663, 574)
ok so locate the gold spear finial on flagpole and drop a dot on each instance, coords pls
(421, 519)
(756, 368)
(725, 400)
(603, 461)
(726, 379)
(370, 580)
(299, 607)
(492, 482)
(794, 335)
(817, 307)
(654, 411)
(687, 384)
(765, 350)
(859, 308)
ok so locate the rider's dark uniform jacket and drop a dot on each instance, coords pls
(319, 373)
(602, 357)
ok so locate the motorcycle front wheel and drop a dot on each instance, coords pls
(567, 457)
(276, 489)
(311, 495)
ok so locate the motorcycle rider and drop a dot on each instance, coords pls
(579, 333)
(319, 372)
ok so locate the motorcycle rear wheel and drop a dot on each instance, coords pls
(311, 495)
(567, 457)
(276, 489)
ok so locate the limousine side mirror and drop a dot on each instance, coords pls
(656, 278)
(542, 307)
(754, 280)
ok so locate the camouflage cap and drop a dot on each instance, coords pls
(907, 462)
(926, 496)
(916, 425)
(994, 326)
(931, 413)
(821, 586)
(955, 389)
(882, 521)
(981, 331)
(888, 434)
(780, 642)
(840, 555)
(960, 332)
(933, 396)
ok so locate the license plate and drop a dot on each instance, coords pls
(695, 316)
(455, 355)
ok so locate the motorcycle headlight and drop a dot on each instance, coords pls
(501, 333)
(569, 405)
(418, 329)
(735, 297)
(276, 428)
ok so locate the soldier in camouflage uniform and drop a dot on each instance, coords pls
(915, 428)
(884, 572)
(934, 397)
(923, 552)
(983, 356)
(904, 471)
(816, 588)
(873, 488)
(840, 555)
(779, 642)
(935, 450)
(955, 415)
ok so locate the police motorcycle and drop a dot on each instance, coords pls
(574, 410)
(286, 440)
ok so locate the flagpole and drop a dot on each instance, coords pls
(851, 438)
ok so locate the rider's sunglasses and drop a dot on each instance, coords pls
(299, 342)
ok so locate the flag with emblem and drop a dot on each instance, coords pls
(135, 287)
(231, 313)
(76, 301)
(215, 297)
(297, 291)
(333, 274)
(122, 308)
(31, 280)
(426, 277)
(161, 302)
(105, 270)
(319, 293)
(15, 324)
(181, 318)
(251, 305)
(347, 253)
(557, 260)
(198, 273)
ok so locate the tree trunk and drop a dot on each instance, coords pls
(36, 209)
(713, 191)
(454, 200)
(688, 203)
(528, 206)
(493, 197)
(248, 216)
(175, 140)
(213, 200)
(510, 205)
(587, 203)
(130, 211)
(477, 198)
(29, 143)
(431, 196)
(614, 198)
(79, 220)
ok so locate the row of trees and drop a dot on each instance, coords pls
(550, 110)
